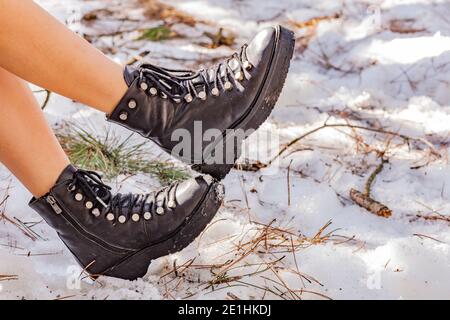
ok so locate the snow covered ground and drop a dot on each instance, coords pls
(381, 70)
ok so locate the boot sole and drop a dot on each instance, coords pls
(263, 104)
(136, 265)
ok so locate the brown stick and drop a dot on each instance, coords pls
(370, 181)
(289, 183)
(48, 93)
(405, 138)
(369, 204)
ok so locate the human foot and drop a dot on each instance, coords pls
(212, 111)
(119, 235)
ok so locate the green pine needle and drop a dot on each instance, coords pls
(113, 155)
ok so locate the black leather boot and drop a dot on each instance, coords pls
(119, 235)
(232, 98)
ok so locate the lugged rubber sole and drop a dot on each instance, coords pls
(136, 265)
(264, 102)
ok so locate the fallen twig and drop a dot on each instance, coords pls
(365, 201)
(24, 230)
(138, 57)
(250, 166)
(47, 99)
(372, 177)
(422, 236)
(406, 138)
(5, 277)
(370, 204)
(416, 217)
(219, 39)
(289, 183)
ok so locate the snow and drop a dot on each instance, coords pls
(354, 69)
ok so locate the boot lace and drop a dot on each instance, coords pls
(121, 207)
(188, 85)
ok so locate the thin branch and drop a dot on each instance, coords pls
(406, 138)
(47, 99)
(373, 176)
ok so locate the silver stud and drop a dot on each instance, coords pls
(188, 98)
(248, 65)
(215, 92)
(136, 217)
(110, 217)
(144, 86)
(153, 91)
(89, 205)
(132, 104)
(96, 212)
(202, 95)
(228, 86)
(160, 211)
(78, 197)
(123, 116)
(171, 204)
(122, 219)
(239, 76)
(147, 216)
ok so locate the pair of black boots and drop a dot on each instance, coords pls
(118, 235)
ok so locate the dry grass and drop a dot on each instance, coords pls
(26, 228)
(220, 38)
(156, 10)
(311, 23)
(113, 155)
(268, 244)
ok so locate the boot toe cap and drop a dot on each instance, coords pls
(191, 192)
(261, 47)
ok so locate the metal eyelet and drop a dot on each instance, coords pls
(110, 217)
(202, 95)
(160, 211)
(188, 98)
(78, 197)
(163, 95)
(89, 205)
(153, 91)
(147, 216)
(71, 188)
(123, 116)
(132, 104)
(122, 219)
(144, 86)
(136, 217)
(215, 92)
(247, 65)
(228, 86)
(96, 213)
(239, 76)
(171, 204)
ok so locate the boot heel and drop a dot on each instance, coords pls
(218, 171)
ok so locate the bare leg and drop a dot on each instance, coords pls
(27, 145)
(38, 48)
